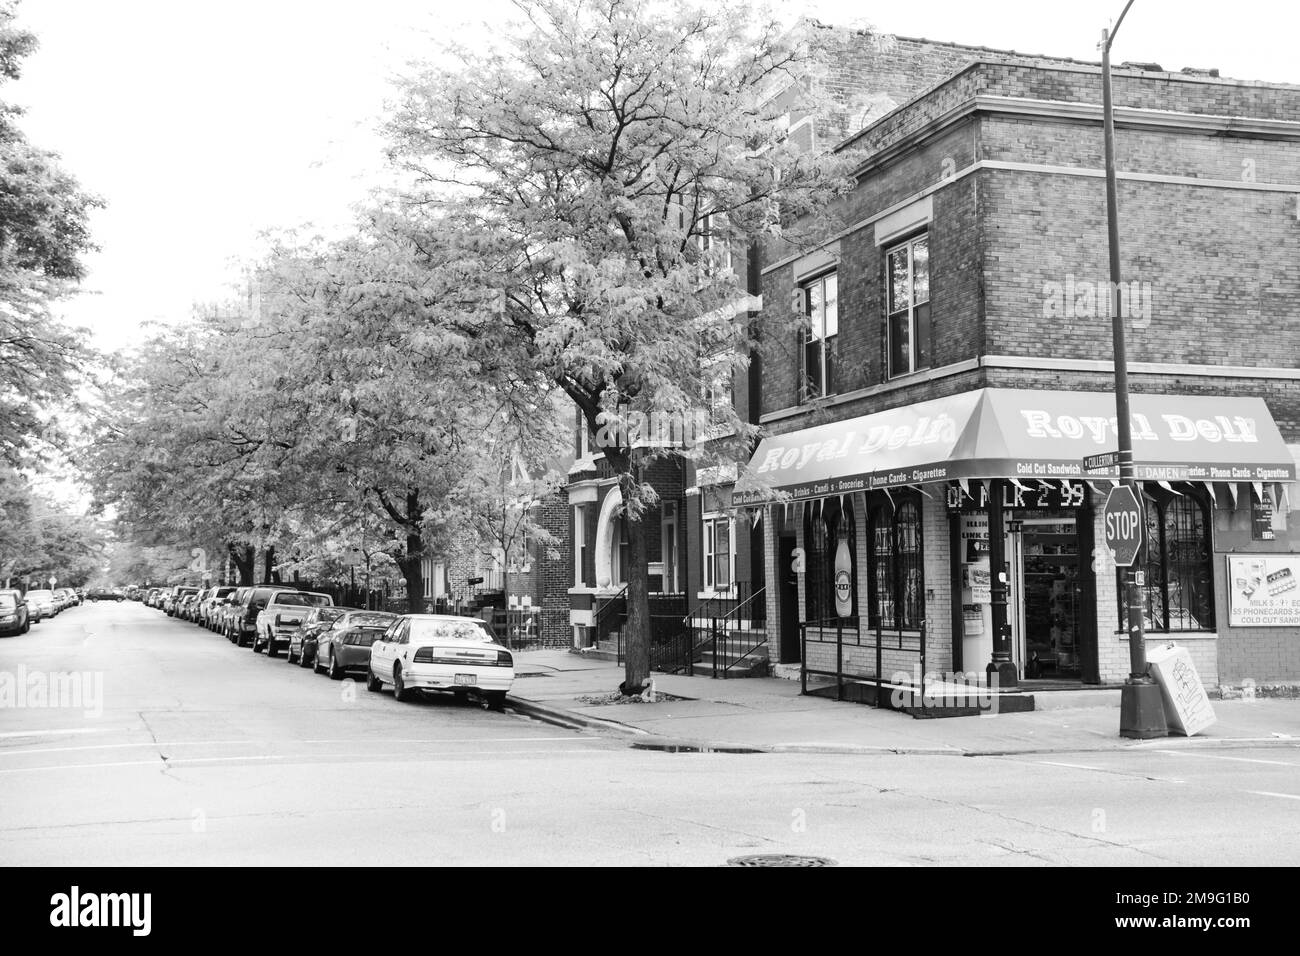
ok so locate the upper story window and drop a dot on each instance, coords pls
(908, 273)
(717, 378)
(817, 372)
(713, 243)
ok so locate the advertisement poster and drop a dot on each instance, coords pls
(1264, 590)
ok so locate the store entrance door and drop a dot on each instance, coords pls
(1051, 589)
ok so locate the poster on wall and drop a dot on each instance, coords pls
(1264, 590)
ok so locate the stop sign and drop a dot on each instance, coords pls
(1124, 524)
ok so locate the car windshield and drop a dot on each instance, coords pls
(328, 614)
(8, 600)
(39, 594)
(466, 630)
(293, 599)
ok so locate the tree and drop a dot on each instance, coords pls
(593, 167)
(43, 233)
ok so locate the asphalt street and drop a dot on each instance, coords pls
(193, 751)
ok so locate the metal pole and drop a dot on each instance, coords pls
(803, 659)
(879, 677)
(1002, 668)
(839, 658)
(1142, 712)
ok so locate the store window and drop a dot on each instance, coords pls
(817, 371)
(823, 526)
(1179, 592)
(908, 267)
(895, 576)
(719, 552)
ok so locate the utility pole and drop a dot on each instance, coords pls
(1142, 712)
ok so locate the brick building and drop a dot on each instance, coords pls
(957, 346)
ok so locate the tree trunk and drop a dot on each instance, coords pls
(244, 557)
(268, 562)
(413, 565)
(636, 632)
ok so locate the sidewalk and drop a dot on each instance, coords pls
(769, 714)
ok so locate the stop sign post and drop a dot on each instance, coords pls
(1124, 524)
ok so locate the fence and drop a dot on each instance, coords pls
(851, 651)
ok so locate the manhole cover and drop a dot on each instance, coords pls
(779, 859)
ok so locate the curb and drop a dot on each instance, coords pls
(566, 718)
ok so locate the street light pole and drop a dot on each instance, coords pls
(1142, 713)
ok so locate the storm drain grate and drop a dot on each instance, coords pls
(780, 859)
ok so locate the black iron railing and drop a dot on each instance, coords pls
(610, 616)
(730, 631)
(833, 631)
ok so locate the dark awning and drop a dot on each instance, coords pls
(1021, 433)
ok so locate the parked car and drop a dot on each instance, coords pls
(41, 604)
(344, 648)
(284, 612)
(208, 606)
(15, 618)
(439, 652)
(227, 609)
(303, 641)
(185, 603)
(151, 599)
(243, 620)
(65, 598)
(179, 593)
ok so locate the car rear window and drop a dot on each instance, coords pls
(380, 621)
(466, 630)
(294, 599)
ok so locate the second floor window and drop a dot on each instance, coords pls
(821, 305)
(908, 267)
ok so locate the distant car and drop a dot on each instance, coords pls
(172, 605)
(303, 641)
(439, 652)
(41, 604)
(227, 610)
(284, 612)
(243, 618)
(151, 599)
(211, 601)
(15, 618)
(65, 598)
(344, 648)
(186, 603)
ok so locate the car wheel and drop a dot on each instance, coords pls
(27, 625)
(270, 647)
(336, 672)
(288, 653)
(373, 683)
(303, 659)
(315, 664)
(399, 686)
(494, 700)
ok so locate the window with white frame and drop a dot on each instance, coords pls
(579, 546)
(719, 552)
(820, 304)
(712, 240)
(717, 377)
(907, 268)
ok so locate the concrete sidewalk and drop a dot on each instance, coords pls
(769, 714)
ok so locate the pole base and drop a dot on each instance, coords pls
(1142, 711)
(1003, 675)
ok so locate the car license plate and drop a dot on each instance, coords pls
(466, 679)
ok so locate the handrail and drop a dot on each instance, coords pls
(729, 664)
(606, 612)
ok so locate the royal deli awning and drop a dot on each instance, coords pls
(1022, 434)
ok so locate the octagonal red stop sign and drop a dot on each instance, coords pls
(1124, 524)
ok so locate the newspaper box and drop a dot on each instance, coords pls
(1187, 707)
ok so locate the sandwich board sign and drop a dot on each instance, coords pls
(1187, 706)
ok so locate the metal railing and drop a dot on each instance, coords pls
(610, 616)
(906, 642)
(731, 642)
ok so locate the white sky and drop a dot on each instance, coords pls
(203, 124)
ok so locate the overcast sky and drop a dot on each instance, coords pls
(203, 124)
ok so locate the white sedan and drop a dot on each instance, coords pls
(441, 652)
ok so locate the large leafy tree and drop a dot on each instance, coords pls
(594, 167)
(43, 234)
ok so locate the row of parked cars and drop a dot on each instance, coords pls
(408, 652)
(19, 610)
